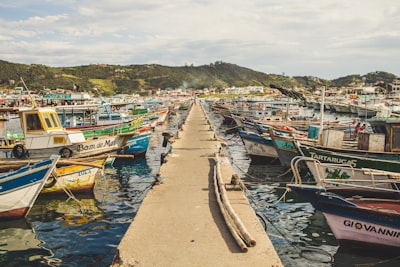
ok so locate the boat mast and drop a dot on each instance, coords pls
(321, 119)
(32, 98)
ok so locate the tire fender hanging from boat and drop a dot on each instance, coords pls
(65, 152)
(51, 180)
(19, 151)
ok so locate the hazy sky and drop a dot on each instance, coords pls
(323, 38)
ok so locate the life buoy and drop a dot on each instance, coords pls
(51, 180)
(19, 151)
(65, 152)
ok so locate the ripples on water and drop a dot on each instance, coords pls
(61, 232)
(298, 232)
(86, 231)
(64, 233)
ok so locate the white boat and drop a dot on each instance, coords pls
(345, 178)
(370, 223)
(44, 135)
(259, 147)
(19, 189)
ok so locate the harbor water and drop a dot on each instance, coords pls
(86, 230)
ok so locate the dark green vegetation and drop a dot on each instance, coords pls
(113, 79)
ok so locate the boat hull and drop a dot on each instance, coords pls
(75, 178)
(137, 145)
(348, 231)
(369, 222)
(286, 149)
(336, 157)
(90, 147)
(258, 146)
(19, 189)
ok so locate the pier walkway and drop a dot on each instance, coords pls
(179, 222)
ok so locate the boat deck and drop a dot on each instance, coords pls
(180, 223)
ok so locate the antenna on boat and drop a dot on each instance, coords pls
(32, 99)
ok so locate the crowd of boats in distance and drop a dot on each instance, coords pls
(61, 146)
(353, 160)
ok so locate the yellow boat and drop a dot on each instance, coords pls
(76, 176)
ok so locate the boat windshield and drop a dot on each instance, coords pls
(33, 122)
(51, 120)
(42, 120)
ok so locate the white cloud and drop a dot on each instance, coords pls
(317, 37)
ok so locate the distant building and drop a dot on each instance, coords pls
(394, 87)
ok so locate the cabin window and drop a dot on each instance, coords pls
(47, 120)
(56, 121)
(59, 140)
(33, 122)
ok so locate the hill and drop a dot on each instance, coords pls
(111, 79)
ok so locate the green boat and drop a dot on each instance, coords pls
(139, 111)
(102, 130)
(351, 158)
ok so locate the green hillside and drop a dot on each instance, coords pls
(111, 79)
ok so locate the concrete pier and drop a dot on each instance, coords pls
(180, 223)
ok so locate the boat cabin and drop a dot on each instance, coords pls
(42, 129)
(390, 127)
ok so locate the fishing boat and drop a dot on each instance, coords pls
(138, 144)
(283, 141)
(20, 188)
(346, 180)
(351, 157)
(95, 131)
(371, 223)
(377, 150)
(43, 135)
(388, 127)
(162, 116)
(75, 176)
(259, 147)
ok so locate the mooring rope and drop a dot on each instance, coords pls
(302, 251)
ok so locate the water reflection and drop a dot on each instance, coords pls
(300, 234)
(85, 231)
(19, 244)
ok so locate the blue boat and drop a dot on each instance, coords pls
(138, 144)
(19, 189)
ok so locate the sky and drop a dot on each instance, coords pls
(322, 38)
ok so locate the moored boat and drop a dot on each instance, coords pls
(44, 136)
(347, 180)
(284, 143)
(20, 188)
(259, 147)
(353, 158)
(138, 144)
(370, 223)
(75, 176)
